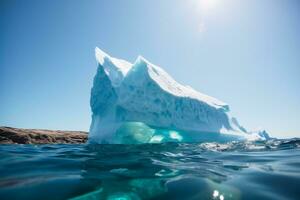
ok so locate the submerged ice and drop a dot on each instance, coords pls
(141, 103)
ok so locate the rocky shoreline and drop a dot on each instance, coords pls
(9, 135)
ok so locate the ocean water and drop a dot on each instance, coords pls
(236, 170)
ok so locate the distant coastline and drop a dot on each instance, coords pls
(10, 135)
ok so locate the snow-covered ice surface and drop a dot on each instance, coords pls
(141, 103)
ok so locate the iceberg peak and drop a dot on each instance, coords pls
(142, 59)
(115, 69)
(100, 55)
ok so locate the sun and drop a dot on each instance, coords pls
(208, 4)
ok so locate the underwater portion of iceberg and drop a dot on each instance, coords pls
(141, 103)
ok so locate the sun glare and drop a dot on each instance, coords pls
(208, 4)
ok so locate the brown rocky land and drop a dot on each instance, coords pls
(9, 135)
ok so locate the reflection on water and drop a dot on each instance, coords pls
(238, 170)
(217, 195)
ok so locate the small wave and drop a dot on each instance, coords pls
(274, 144)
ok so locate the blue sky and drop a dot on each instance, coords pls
(243, 52)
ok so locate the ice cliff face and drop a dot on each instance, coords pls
(141, 103)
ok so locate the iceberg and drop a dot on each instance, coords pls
(141, 103)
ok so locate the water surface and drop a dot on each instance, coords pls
(236, 170)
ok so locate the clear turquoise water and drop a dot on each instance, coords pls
(261, 170)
